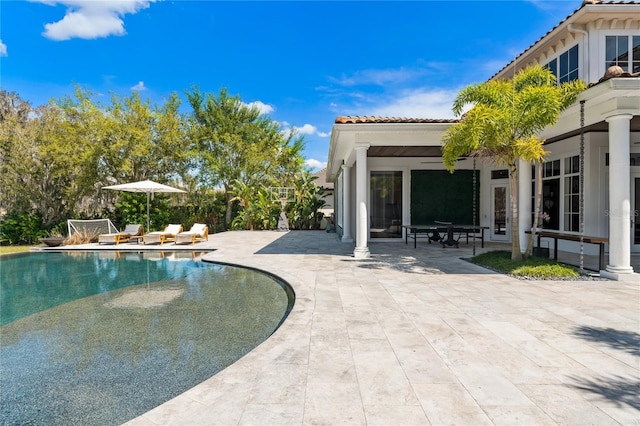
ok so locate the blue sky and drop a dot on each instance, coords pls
(304, 63)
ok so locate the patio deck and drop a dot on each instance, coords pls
(420, 336)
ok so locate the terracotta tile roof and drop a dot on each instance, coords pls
(357, 119)
(584, 3)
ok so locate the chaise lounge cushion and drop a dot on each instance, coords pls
(198, 232)
(120, 237)
(168, 234)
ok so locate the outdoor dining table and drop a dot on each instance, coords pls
(443, 232)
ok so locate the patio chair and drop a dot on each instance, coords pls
(168, 234)
(129, 232)
(198, 232)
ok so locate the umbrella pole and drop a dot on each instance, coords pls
(148, 219)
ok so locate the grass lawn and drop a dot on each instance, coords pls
(14, 249)
(533, 267)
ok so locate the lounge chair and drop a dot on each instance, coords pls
(121, 237)
(169, 234)
(198, 232)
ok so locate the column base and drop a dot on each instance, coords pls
(361, 253)
(620, 274)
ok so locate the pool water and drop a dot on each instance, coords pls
(93, 338)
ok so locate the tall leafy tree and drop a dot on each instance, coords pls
(41, 165)
(138, 141)
(235, 143)
(503, 122)
(143, 141)
(16, 150)
(56, 158)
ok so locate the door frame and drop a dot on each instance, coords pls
(493, 236)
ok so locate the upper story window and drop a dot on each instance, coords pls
(623, 51)
(565, 66)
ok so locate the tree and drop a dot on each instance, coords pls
(235, 143)
(15, 151)
(55, 159)
(503, 122)
(41, 166)
(142, 141)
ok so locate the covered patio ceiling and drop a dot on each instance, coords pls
(600, 127)
(404, 151)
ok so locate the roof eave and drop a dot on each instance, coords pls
(506, 72)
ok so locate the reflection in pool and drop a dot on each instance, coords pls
(115, 344)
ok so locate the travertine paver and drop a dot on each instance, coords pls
(419, 336)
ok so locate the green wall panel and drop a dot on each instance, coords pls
(443, 196)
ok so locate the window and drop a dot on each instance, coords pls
(551, 168)
(565, 67)
(623, 51)
(569, 217)
(572, 193)
(550, 193)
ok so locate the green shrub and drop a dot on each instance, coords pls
(21, 228)
(533, 267)
(132, 208)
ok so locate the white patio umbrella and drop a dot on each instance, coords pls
(146, 186)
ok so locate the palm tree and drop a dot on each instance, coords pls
(503, 122)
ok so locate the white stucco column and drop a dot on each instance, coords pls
(524, 202)
(346, 205)
(362, 212)
(619, 197)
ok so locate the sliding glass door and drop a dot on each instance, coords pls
(386, 204)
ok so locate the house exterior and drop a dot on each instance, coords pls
(327, 191)
(388, 171)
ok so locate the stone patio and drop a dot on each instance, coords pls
(418, 337)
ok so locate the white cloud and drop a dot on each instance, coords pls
(420, 103)
(140, 87)
(315, 164)
(3, 49)
(91, 19)
(262, 107)
(399, 92)
(307, 129)
(379, 77)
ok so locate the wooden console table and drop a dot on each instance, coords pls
(599, 241)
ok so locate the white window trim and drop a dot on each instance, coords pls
(581, 65)
(602, 45)
(563, 194)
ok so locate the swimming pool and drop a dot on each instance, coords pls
(116, 334)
